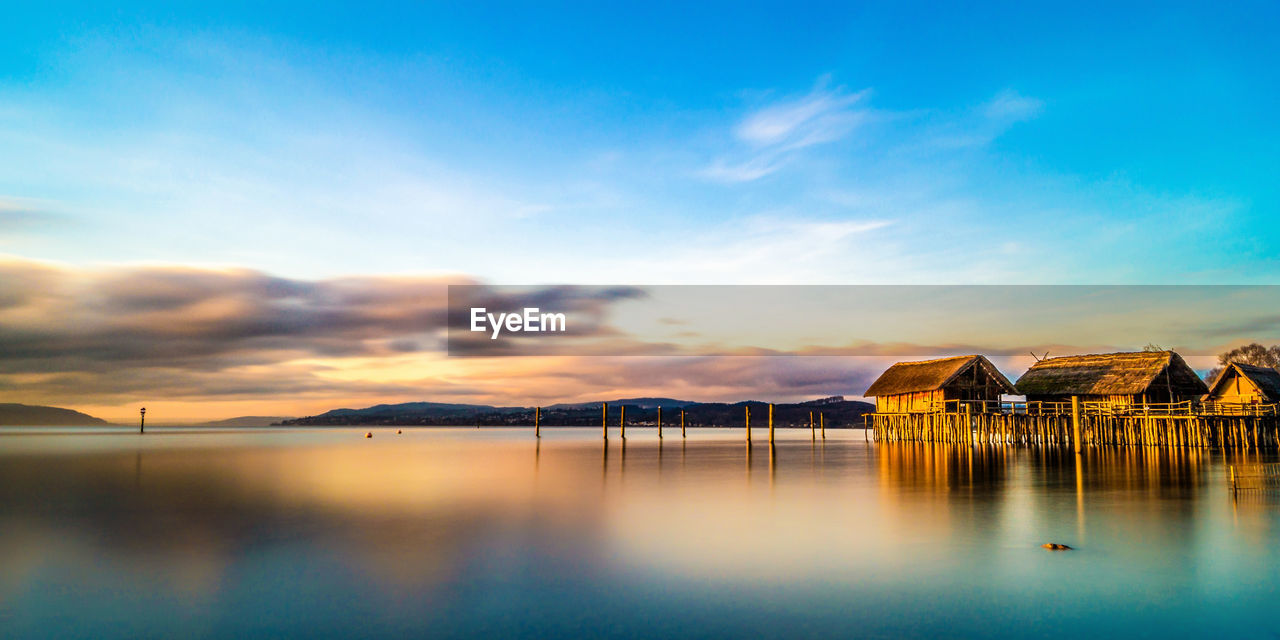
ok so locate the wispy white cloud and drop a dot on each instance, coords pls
(773, 135)
(821, 116)
(738, 170)
(776, 134)
(779, 247)
(975, 127)
(1011, 106)
(266, 158)
(263, 160)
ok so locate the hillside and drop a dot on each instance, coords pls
(408, 413)
(643, 403)
(640, 411)
(25, 415)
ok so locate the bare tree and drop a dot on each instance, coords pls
(1252, 353)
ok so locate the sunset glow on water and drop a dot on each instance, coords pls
(490, 533)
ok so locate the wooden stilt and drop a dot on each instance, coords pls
(1075, 422)
(770, 425)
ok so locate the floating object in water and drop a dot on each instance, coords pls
(1053, 546)
(368, 434)
(399, 431)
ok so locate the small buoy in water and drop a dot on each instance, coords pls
(1053, 546)
(368, 434)
(399, 431)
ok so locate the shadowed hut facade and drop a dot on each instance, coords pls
(1241, 383)
(923, 386)
(1118, 379)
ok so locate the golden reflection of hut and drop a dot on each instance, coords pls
(929, 385)
(1116, 379)
(1241, 383)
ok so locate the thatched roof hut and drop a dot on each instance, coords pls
(914, 387)
(1120, 378)
(1241, 383)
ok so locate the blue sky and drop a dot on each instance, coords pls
(237, 209)
(662, 143)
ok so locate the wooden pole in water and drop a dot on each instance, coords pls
(813, 431)
(968, 417)
(682, 434)
(622, 421)
(537, 418)
(604, 420)
(770, 425)
(822, 424)
(748, 409)
(142, 420)
(659, 423)
(1075, 421)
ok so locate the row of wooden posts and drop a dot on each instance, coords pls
(622, 423)
(1079, 429)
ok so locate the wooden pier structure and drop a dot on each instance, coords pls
(1054, 423)
(1133, 399)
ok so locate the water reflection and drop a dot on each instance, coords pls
(494, 533)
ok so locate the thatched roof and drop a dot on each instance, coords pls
(1109, 374)
(1265, 378)
(931, 375)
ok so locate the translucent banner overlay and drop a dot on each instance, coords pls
(856, 320)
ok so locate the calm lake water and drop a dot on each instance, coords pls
(485, 533)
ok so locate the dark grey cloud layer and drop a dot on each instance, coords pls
(175, 330)
(79, 336)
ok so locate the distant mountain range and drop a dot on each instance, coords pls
(25, 415)
(837, 412)
(408, 410)
(643, 403)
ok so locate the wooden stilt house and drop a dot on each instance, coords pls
(1114, 379)
(930, 385)
(1241, 383)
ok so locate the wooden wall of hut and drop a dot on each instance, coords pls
(917, 402)
(1236, 389)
